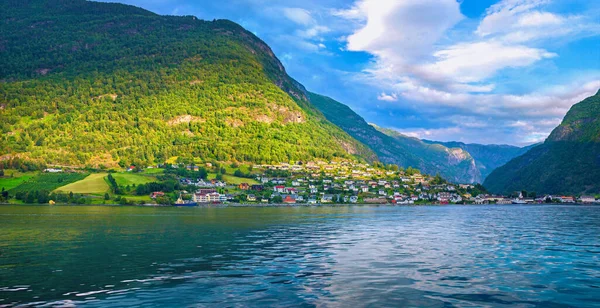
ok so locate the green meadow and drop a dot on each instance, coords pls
(92, 184)
(230, 179)
(124, 179)
(14, 179)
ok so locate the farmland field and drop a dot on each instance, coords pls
(138, 198)
(49, 181)
(9, 183)
(93, 184)
(230, 179)
(153, 171)
(124, 179)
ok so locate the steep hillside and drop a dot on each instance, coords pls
(88, 83)
(391, 147)
(568, 162)
(487, 156)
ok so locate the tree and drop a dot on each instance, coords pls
(106, 196)
(532, 194)
(277, 199)
(31, 196)
(1, 172)
(163, 200)
(43, 197)
(202, 173)
(437, 180)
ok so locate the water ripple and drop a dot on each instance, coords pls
(479, 256)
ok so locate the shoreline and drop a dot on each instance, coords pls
(239, 205)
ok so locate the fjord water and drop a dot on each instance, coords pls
(427, 256)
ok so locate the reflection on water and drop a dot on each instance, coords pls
(496, 256)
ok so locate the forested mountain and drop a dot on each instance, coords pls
(390, 146)
(89, 83)
(487, 156)
(568, 162)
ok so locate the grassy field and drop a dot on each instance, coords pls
(9, 182)
(230, 179)
(153, 171)
(138, 198)
(124, 179)
(49, 181)
(93, 184)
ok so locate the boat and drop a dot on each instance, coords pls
(181, 202)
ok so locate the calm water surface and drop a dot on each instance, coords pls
(451, 256)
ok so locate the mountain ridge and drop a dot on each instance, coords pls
(96, 84)
(488, 157)
(568, 162)
(430, 159)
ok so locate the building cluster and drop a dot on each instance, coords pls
(202, 183)
(347, 182)
(495, 199)
(326, 183)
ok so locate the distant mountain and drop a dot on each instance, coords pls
(99, 84)
(568, 162)
(454, 164)
(487, 156)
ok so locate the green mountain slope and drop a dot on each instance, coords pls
(568, 162)
(88, 83)
(391, 147)
(487, 157)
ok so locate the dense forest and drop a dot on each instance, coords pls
(99, 84)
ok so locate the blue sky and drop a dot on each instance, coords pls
(483, 71)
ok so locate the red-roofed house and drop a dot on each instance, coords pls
(156, 194)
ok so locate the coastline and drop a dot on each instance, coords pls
(245, 205)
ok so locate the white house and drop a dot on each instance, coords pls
(588, 199)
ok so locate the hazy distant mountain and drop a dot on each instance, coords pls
(454, 164)
(568, 162)
(487, 156)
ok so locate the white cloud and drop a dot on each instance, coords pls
(424, 55)
(522, 21)
(388, 97)
(313, 31)
(405, 38)
(536, 19)
(552, 102)
(504, 14)
(409, 27)
(478, 61)
(529, 117)
(308, 34)
(299, 16)
(409, 39)
(439, 134)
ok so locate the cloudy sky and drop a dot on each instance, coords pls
(483, 71)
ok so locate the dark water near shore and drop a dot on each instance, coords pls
(427, 256)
